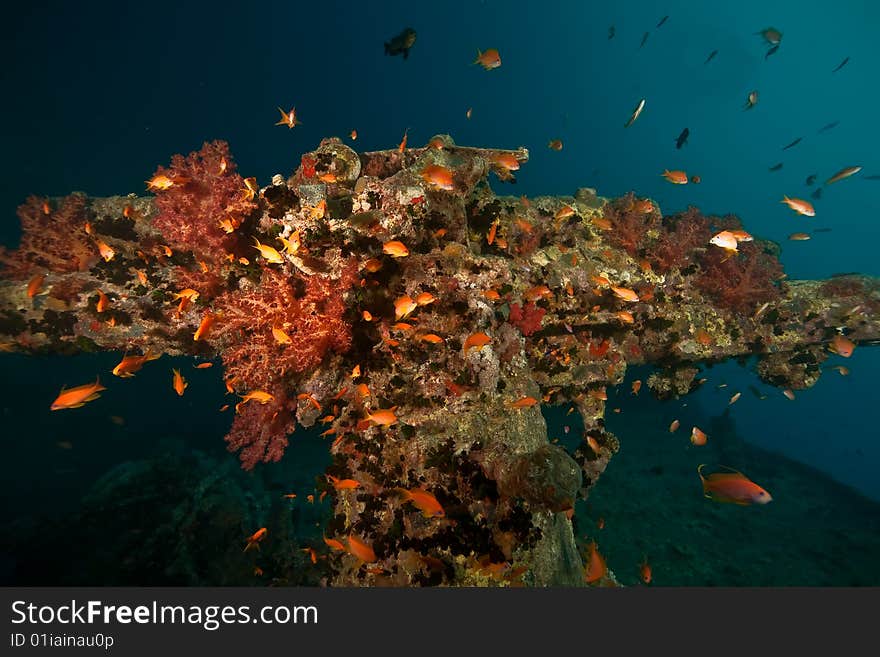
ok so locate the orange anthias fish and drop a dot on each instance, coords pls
(676, 177)
(35, 284)
(343, 484)
(280, 336)
(625, 293)
(178, 382)
(725, 240)
(431, 338)
(334, 544)
(732, 487)
(103, 302)
(842, 346)
(636, 386)
(204, 327)
(698, 437)
(288, 118)
(424, 501)
(161, 182)
(254, 539)
(78, 396)
(488, 59)
(403, 307)
(476, 341)
(506, 161)
(268, 252)
(555, 144)
(438, 177)
(595, 568)
(800, 206)
(260, 396)
(425, 298)
(383, 417)
(131, 364)
(204, 366)
(360, 549)
(105, 250)
(673, 427)
(395, 249)
(645, 571)
(525, 402)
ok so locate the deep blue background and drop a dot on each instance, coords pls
(96, 95)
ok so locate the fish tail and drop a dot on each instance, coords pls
(479, 54)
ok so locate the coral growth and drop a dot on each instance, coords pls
(209, 191)
(260, 431)
(308, 310)
(675, 244)
(630, 224)
(53, 239)
(742, 281)
(527, 319)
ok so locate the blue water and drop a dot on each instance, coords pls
(98, 94)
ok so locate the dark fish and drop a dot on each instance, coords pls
(710, 57)
(821, 230)
(682, 138)
(792, 144)
(871, 177)
(772, 51)
(817, 194)
(841, 65)
(757, 393)
(401, 43)
(644, 39)
(662, 20)
(830, 126)
(811, 179)
(776, 167)
(611, 32)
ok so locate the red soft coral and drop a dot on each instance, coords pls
(742, 281)
(260, 430)
(680, 235)
(629, 223)
(527, 319)
(310, 312)
(190, 212)
(56, 240)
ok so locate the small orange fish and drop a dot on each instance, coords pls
(383, 417)
(161, 182)
(178, 382)
(166, 250)
(431, 338)
(327, 177)
(742, 236)
(204, 326)
(493, 230)
(600, 523)
(477, 341)
(732, 487)
(524, 402)
(725, 240)
(353, 134)
(625, 293)
(268, 252)
(842, 346)
(280, 336)
(131, 364)
(254, 539)
(675, 177)
(595, 568)
(258, 572)
(506, 161)
(226, 226)
(310, 499)
(488, 59)
(403, 307)
(625, 316)
(644, 206)
(492, 295)
(142, 276)
(799, 237)
(636, 386)
(789, 394)
(103, 302)
(423, 501)
(35, 284)
(204, 366)
(425, 298)
(289, 118)
(800, 206)
(645, 571)
(362, 390)
(395, 249)
(696, 180)
(555, 144)
(260, 396)
(564, 212)
(402, 146)
(47, 209)
(313, 556)
(360, 549)
(310, 399)
(343, 484)
(78, 396)
(843, 371)
(438, 177)
(537, 293)
(224, 408)
(373, 264)
(334, 544)
(105, 250)
(698, 437)
(367, 316)
(288, 496)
